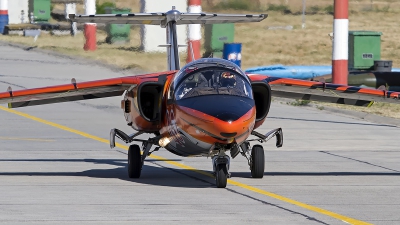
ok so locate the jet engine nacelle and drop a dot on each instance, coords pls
(262, 99)
(143, 104)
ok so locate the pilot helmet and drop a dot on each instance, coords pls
(228, 79)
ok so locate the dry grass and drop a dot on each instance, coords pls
(261, 46)
(378, 108)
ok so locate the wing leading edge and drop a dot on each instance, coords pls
(326, 92)
(74, 91)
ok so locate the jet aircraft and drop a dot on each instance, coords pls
(209, 107)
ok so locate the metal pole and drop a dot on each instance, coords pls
(194, 32)
(340, 42)
(304, 15)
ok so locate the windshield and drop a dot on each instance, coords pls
(213, 81)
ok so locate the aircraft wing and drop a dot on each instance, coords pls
(74, 91)
(325, 92)
(161, 18)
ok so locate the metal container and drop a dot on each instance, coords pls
(32, 33)
(215, 35)
(364, 49)
(383, 65)
(118, 33)
(40, 9)
(3, 22)
(233, 52)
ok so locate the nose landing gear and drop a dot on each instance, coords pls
(221, 164)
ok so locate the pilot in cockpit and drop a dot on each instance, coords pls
(227, 79)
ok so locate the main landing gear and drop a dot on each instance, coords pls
(134, 161)
(135, 156)
(255, 158)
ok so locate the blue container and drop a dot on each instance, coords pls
(3, 22)
(297, 71)
(233, 53)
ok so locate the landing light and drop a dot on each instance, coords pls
(164, 142)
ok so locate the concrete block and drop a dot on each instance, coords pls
(152, 36)
(31, 33)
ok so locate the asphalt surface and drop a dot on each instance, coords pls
(331, 168)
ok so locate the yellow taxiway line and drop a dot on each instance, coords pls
(230, 181)
(25, 139)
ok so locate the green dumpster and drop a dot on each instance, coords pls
(364, 49)
(40, 9)
(118, 33)
(215, 35)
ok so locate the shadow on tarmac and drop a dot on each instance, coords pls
(247, 174)
(152, 173)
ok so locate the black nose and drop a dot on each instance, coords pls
(223, 107)
(227, 116)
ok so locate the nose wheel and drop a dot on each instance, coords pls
(221, 170)
(221, 176)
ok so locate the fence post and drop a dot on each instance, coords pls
(194, 33)
(90, 28)
(340, 42)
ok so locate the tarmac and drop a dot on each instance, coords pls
(56, 166)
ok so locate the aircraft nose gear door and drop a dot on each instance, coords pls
(221, 164)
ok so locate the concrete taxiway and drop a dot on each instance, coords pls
(56, 166)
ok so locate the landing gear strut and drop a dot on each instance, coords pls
(135, 158)
(256, 158)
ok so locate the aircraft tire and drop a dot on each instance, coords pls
(258, 161)
(134, 161)
(221, 176)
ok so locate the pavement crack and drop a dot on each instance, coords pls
(277, 206)
(4, 82)
(360, 161)
(331, 121)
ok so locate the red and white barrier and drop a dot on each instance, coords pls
(340, 42)
(194, 33)
(90, 28)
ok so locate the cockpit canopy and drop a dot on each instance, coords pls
(210, 77)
